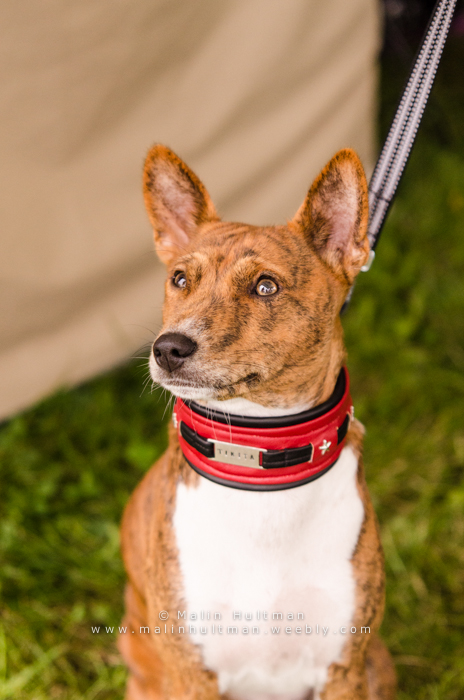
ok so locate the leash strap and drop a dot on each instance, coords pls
(397, 148)
(401, 136)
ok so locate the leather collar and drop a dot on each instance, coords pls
(265, 454)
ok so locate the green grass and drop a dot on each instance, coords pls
(69, 464)
(405, 335)
(68, 467)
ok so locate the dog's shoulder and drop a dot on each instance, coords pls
(138, 520)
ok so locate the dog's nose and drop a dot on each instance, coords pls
(171, 349)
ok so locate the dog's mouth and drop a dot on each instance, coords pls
(192, 390)
(204, 380)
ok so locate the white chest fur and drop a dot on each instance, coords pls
(271, 552)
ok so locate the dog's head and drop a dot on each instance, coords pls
(252, 311)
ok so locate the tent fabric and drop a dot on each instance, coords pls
(255, 95)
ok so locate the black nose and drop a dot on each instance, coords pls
(171, 349)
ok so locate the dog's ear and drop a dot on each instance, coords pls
(176, 201)
(334, 215)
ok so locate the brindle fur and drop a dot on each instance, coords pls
(284, 350)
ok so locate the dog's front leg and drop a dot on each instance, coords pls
(347, 683)
(145, 666)
(159, 670)
(161, 666)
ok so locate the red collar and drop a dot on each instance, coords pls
(265, 454)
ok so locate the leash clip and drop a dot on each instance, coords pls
(370, 260)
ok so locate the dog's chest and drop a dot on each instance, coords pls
(284, 555)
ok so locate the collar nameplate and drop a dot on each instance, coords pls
(240, 455)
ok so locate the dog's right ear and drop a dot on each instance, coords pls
(334, 215)
(177, 202)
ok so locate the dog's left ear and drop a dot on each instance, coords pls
(176, 201)
(334, 215)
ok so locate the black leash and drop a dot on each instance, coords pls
(397, 147)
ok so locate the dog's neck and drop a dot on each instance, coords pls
(282, 450)
(244, 407)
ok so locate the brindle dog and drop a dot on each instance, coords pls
(252, 323)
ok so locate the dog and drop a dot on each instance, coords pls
(255, 569)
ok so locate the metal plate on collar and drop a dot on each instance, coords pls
(239, 455)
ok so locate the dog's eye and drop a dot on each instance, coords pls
(266, 287)
(179, 280)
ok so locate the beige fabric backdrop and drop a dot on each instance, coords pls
(254, 94)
